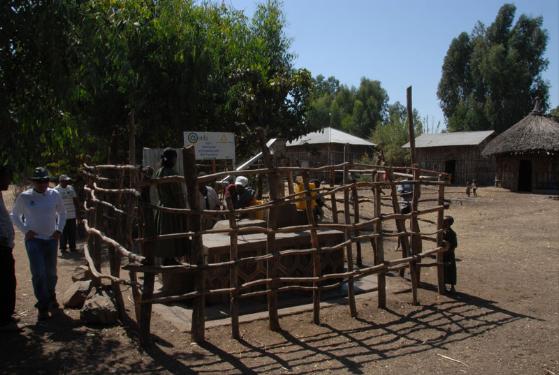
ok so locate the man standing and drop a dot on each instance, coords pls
(7, 264)
(40, 214)
(70, 199)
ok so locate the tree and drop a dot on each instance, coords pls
(353, 110)
(491, 77)
(35, 82)
(169, 66)
(392, 134)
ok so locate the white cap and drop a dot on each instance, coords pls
(241, 180)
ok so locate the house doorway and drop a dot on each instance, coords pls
(525, 175)
(450, 168)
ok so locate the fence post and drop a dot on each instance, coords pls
(349, 249)
(416, 247)
(440, 218)
(379, 253)
(197, 256)
(273, 182)
(400, 222)
(149, 277)
(233, 271)
(355, 198)
(314, 244)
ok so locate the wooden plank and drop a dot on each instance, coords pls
(197, 256)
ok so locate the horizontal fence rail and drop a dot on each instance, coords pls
(358, 215)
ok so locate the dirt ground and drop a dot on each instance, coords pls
(504, 319)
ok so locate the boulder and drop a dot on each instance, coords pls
(99, 308)
(76, 295)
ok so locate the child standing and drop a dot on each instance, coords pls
(474, 188)
(449, 258)
(468, 188)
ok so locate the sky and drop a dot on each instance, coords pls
(400, 43)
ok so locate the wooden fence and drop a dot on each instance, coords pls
(120, 222)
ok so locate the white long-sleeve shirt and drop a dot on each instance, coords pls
(43, 213)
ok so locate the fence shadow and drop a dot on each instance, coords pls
(430, 327)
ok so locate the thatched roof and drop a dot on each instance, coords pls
(535, 133)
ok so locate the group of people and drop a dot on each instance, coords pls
(47, 218)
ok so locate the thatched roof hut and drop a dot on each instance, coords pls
(527, 154)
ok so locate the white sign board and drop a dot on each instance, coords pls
(212, 145)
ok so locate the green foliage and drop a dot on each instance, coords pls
(354, 110)
(172, 66)
(555, 113)
(492, 76)
(392, 134)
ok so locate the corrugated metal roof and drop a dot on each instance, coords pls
(450, 139)
(329, 135)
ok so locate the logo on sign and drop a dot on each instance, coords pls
(192, 137)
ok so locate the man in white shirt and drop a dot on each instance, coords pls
(7, 263)
(40, 214)
(70, 199)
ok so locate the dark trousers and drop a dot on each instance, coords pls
(42, 260)
(69, 235)
(7, 284)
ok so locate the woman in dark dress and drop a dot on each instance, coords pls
(449, 258)
(170, 195)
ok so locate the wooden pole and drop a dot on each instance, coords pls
(233, 271)
(314, 244)
(400, 223)
(349, 250)
(355, 198)
(334, 207)
(114, 261)
(415, 237)
(440, 218)
(149, 278)
(411, 131)
(379, 253)
(290, 188)
(273, 265)
(131, 138)
(197, 258)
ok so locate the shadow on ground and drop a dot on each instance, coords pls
(430, 327)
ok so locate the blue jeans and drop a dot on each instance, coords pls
(42, 260)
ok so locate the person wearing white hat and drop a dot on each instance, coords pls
(240, 193)
(71, 204)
